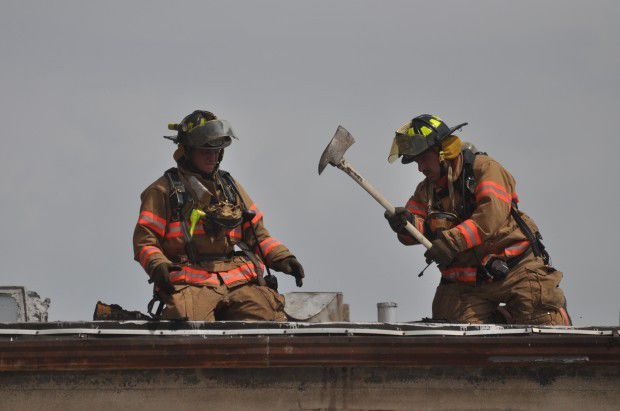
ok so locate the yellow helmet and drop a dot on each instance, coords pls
(423, 132)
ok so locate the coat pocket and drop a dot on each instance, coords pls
(275, 299)
(548, 279)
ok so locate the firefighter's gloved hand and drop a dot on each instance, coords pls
(290, 266)
(399, 219)
(161, 276)
(441, 252)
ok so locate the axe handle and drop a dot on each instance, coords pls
(347, 168)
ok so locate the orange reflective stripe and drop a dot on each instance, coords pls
(465, 235)
(470, 223)
(516, 248)
(467, 278)
(257, 217)
(152, 221)
(489, 183)
(244, 272)
(235, 233)
(486, 259)
(145, 252)
(490, 187)
(268, 244)
(189, 275)
(154, 217)
(515, 198)
(175, 230)
(196, 276)
(463, 274)
(419, 224)
(416, 207)
(492, 191)
(469, 231)
(512, 251)
(565, 316)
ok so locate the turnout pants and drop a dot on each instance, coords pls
(447, 303)
(530, 291)
(246, 302)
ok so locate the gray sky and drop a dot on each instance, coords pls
(88, 89)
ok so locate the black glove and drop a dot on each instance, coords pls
(441, 252)
(399, 219)
(161, 276)
(290, 266)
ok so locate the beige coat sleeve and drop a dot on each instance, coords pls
(150, 230)
(494, 193)
(272, 249)
(417, 205)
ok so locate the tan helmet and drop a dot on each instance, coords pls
(202, 129)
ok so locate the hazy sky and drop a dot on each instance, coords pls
(88, 89)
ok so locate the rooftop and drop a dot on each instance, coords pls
(143, 344)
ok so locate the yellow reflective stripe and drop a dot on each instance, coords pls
(425, 131)
(435, 122)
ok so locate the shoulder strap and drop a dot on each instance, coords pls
(178, 198)
(535, 238)
(468, 184)
(231, 183)
(231, 192)
(178, 195)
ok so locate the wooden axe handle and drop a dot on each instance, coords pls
(347, 168)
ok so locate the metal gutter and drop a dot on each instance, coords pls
(110, 345)
(168, 328)
(312, 331)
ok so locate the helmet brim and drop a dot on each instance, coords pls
(214, 134)
(457, 128)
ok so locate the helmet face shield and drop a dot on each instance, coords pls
(213, 134)
(408, 145)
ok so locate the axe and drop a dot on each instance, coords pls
(334, 155)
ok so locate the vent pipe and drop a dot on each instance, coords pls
(386, 312)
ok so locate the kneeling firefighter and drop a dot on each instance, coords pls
(192, 218)
(488, 251)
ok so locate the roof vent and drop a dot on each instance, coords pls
(386, 312)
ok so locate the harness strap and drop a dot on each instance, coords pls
(229, 188)
(178, 198)
(535, 239)
(178, 195)
(468, 184)
(228, 178)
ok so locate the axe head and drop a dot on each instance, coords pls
(334, 152)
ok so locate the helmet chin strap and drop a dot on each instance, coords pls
(443, 169)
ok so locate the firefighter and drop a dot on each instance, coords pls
(488, 251)
(202, 240)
